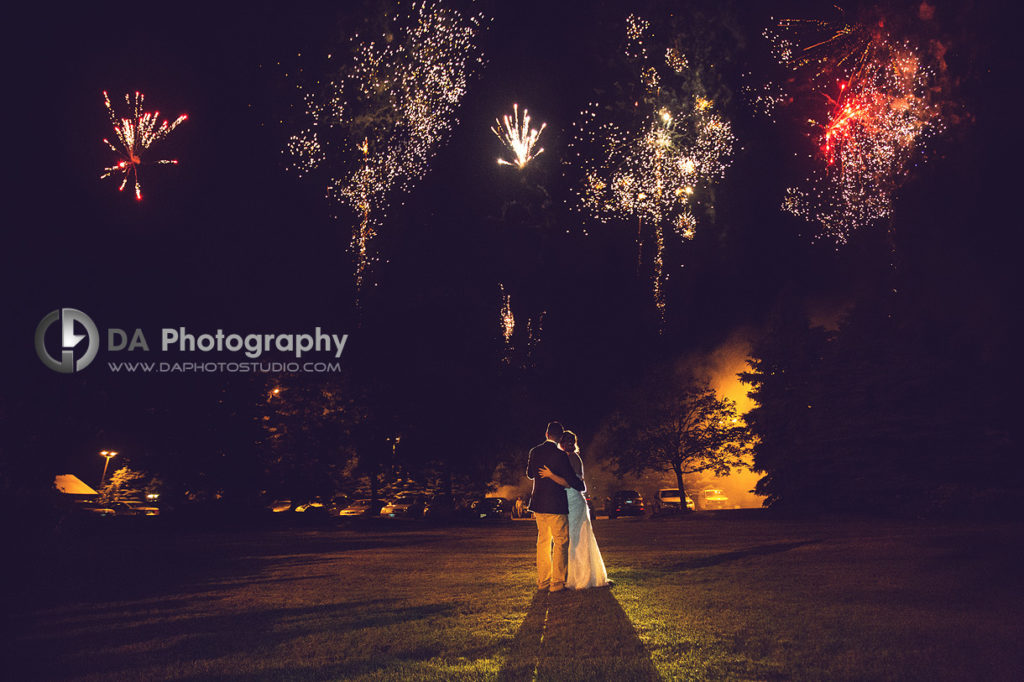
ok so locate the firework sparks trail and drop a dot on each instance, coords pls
(518, 137)
(135, 135)
(533, 329)
(508, 320)
(506, 323)
(879, 110)
(374, 127)
(650, 168)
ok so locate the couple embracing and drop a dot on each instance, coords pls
(567, 553)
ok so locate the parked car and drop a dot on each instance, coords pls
(669, 499)
(361, 508)
(95, 509)
(338, 503)
(278, 506)
(440, 507)
(313, 509)
(490, 508)
(713, 498)
(625, 503)
(408, 505)
(314, 505)
(133, 509)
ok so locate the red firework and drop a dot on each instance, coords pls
(135, 135)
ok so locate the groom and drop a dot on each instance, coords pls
(551, 509)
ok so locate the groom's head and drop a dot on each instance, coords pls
(555, 431)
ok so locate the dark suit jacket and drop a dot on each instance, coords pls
(548, 496)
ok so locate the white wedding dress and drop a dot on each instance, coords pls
(586, 567)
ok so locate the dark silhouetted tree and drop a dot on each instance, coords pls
(309, 446)
(787, 422)
(883, 416)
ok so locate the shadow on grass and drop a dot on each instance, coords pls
(726, 557)
(577, 635)
(142, 641)
(127, 566)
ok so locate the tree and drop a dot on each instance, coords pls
(308, 436)
(123, 483)
(687, 431)
(881, 416)
(789, 420)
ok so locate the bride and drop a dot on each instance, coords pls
(586, 567)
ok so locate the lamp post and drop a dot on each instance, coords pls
(108, 454)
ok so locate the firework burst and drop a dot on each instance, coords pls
(876, 109)
(518, 137)
(651, 167)
(374, 127)
(135, 135)
(821, 45)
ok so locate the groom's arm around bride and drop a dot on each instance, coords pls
(549, 496)
(556, 460)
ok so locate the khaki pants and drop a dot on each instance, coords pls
(552, 550)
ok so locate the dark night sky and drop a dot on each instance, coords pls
(228, 239)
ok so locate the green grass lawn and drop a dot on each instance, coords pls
(726, 596)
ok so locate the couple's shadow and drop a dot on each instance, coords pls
(577, 635)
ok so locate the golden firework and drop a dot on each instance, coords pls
(518, 137)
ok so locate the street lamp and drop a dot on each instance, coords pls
(108, 454)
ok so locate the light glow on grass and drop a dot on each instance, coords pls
(711, 598)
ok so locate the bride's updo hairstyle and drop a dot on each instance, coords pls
(568, 443)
